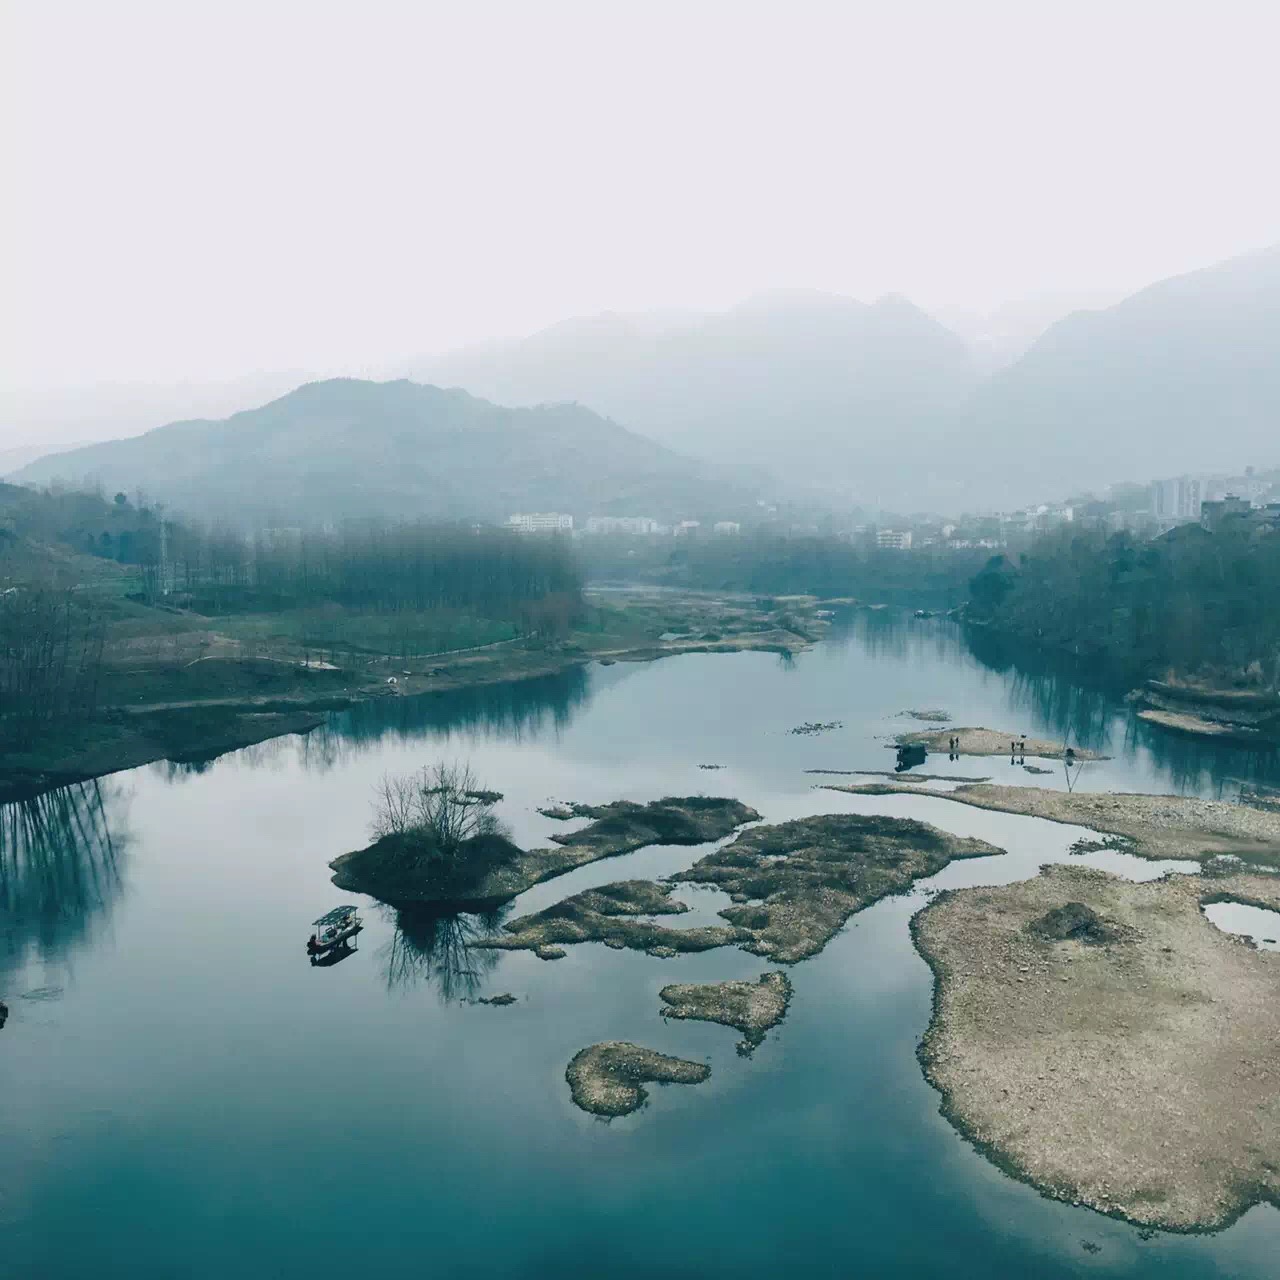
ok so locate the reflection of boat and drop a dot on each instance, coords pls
(333, 929)
(335, 955)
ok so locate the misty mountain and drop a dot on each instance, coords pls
(36, 421)
(1182, 376)
(813, 385)
(350, 448)
(1001, 335)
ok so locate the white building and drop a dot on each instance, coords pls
(894, 539)
(1177, 499)
(686, 527)
(637, 526)
(541, 522)
(727, 526)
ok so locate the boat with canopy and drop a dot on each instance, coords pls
(333, 929)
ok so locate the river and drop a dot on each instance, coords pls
(183, 1094)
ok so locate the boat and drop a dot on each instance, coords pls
(333, 929)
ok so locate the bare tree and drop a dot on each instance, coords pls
(438, 809)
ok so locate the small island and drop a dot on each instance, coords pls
(1105, 1041)
(794, 885)
(608, 1079)
(410, 862)
(750, 1007)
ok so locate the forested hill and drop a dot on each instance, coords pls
(349, 448)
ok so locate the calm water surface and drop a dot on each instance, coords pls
(185, 1096)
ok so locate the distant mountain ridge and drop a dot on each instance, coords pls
(872, 404)
(881, 402)
(349, 448)
(809, 384)
(1182, 376)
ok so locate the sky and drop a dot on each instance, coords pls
(203, 189)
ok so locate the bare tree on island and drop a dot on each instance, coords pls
(437, 814)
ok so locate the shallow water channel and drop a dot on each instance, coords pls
(182, 1094)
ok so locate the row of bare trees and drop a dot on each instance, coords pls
(51, 643)
(379, 569)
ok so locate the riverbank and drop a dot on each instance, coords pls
(189, 694)
(1103, 1040)
(1160, 827)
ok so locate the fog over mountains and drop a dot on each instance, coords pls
(876, 404)
(883, 401)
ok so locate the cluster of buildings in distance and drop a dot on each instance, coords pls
(632, 526)
(1144, 509)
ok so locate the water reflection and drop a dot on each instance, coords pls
(513, 711)
(430, 945)
(60, 863)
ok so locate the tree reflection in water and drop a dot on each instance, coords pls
(431, 945)
(60, 864)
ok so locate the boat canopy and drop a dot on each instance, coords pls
(336, 916)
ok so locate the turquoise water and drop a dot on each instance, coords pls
(184, 1095)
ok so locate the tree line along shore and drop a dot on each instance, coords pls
(127, 637)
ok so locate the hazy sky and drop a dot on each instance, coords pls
(200, 188)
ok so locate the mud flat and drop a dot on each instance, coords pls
(608, 1079)
(624, 825)
(991, 742)
(794, 885)
(1155, 826)
(798, 882)
(494, 870)
(608, 914)
(1105, 1041)
(750, 1007)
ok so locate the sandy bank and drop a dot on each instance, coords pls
(1105, 1041)
(992, 742)
(1199, 727)
(608, 914)
(608, 1079)
(1156, 826)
